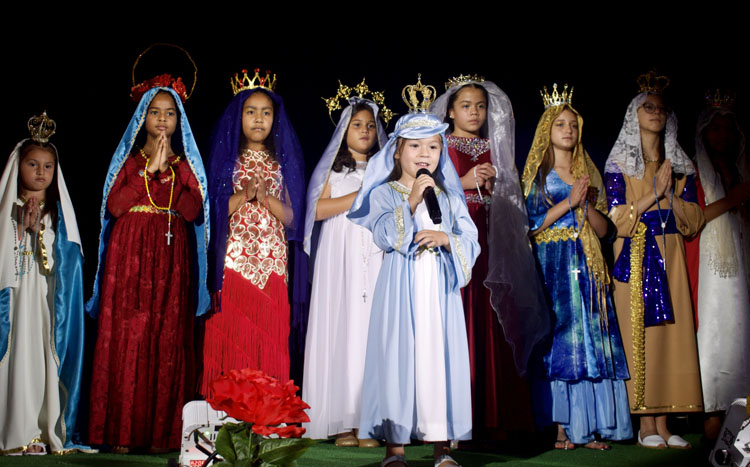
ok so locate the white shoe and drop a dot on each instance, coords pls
(678, 442)
(652, 441)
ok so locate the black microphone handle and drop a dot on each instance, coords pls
(433, 208)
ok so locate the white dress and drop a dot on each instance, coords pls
(29, 392)
(345, 270)
(429, 347)
(724, 327)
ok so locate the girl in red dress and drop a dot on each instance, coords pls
(256, 198)
(480, 145)
(144, 362)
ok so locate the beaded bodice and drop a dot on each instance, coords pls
(256, 245)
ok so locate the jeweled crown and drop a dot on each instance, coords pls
(362, 91)
(652, 82)
(41, 127)
(719, 99)
(243, 83)
(409, 95)
(557, 98)
(461, 80)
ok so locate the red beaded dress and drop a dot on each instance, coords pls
(500, 398)
(252, 328)
(144, 360)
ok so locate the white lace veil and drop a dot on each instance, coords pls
(627, 154)
(717, 239)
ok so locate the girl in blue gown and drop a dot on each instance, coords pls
(584, 366)
(417, 382)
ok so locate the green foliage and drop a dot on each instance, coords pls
(283, 451)
(239, 446)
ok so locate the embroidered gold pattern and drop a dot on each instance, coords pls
(662, 407)
(43, 251)
(462, 259)
(555, 235)
(152, 210)
(256, 246)
(399, 214)
(637, 246)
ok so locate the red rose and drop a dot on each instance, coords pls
(254, 397)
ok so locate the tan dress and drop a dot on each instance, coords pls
(672, 376)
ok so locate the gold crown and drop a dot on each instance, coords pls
(41, 127)
(361, 90)
(428, 96)
(241, 84)
(461, 80)
(717, 99)
(652, 82)
(556, 98)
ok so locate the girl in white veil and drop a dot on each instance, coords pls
(346, 264)
(718, 260)
(481, 144)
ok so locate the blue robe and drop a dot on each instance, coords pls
(584, 364)
(68, 327)
(388, 397)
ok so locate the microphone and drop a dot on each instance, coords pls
(433, 208)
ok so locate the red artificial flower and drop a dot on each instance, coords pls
(165, 80)
(254, 397)
(291, 431)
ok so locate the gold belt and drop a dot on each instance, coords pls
(555, 235)
(153, 210)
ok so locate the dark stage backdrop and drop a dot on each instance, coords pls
(84, 85)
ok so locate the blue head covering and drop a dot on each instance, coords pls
(380, 166)
(225, 147)
(193, 157)
(323, 169)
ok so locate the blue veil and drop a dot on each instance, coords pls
(410, 126)
(225, 144)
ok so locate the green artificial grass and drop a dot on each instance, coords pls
(506, 454)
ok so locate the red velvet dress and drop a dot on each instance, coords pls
(144, 360)
(251, 330)
(500, 398)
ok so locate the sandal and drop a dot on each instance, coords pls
(40, 449)
(368, 443)
(119, 450)
(394, 458)
(564, 444)
(597, 446)
(446, 458)
(347, 441)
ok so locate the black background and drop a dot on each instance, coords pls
(82, 77)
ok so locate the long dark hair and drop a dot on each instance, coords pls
(344, 157)
(452, 100)
(52, 195)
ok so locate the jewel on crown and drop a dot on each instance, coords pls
(245, 82)
(719, 99)
(557, 98)
(361, 90)
(41, 128)
(458, 81)
(652, 82)
(412, 101)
